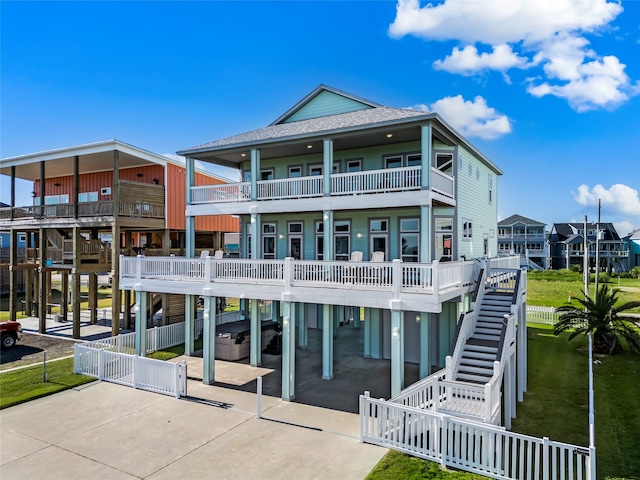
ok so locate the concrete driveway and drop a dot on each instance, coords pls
(107, 431)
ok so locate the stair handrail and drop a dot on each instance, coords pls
(464, 331)
(492, 396)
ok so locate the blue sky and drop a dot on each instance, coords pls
(549, 90)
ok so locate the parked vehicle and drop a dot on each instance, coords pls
(11, 332)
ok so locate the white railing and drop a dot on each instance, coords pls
(290, 188)
(376, 181)
(474, 447)
(395, 277)
(157, 338)
(441, 182)
(544, 315)
(369, 181)
(138, 372)
(228, 192)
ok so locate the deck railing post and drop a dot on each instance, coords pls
(288, 274)
(101, 362)
(435, 278)
(396, 278)
(545, 458)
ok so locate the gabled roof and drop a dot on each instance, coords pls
(96, 157)
(513, 219)
(313, 126)
(565, 231)
(325, 113)
(328, 101)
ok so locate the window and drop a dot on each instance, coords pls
(266, 174)
(410, 239)
(379, 235)
(354, 165)
(444, 239)
(414, 160)
(470, 168)
(467, 229)
(87, 197)
(295, 240)
(269, 241)
(295, 172)
(342, 239)
(315, 170)
(319, 240)
(393, 162)
(22, 237)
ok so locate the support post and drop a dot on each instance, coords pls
(13, 274)
(397, 352)
(44, 287)
(288, 351)
(209, 341)
(367, 332)
(425, 358)
(327, 165)
(255, 359)
(327, 342)
(116, 296)
(303, 322)
(141, 323)
(255, 173)
(189, 324)
(76, 282)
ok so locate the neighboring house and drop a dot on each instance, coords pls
(350, 210)
(632, 243)
(566, 244)
(518, 235)
(92, 203)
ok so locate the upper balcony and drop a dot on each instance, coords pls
(406, 286)
(367, 187)
(141, 202)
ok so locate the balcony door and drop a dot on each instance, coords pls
(295, 240)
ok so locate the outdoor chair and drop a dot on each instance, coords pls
(218, 254)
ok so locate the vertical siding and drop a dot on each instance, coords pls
(96, 181)
(176, 204)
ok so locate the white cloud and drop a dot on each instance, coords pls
(624, 228)
(471, 118)
(551, 32)
(468, 61)
(619, 198)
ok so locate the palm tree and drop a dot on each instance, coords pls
(602, 318)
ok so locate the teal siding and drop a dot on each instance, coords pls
(325, 104)
(473, 204)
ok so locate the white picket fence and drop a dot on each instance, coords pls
(131, 370)
(544, 315)
(157, 338)
(471, 446)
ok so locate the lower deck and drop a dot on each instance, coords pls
(353, 373)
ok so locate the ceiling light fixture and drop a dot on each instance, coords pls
(309, 146)
(389, 135)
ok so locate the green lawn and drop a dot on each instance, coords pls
(28, 383)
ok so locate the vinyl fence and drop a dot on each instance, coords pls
(131, 370)
(471, 446)
(545, 315)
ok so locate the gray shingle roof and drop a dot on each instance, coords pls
(518, 218)
(368, 117)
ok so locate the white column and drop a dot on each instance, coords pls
(288, 351)
(209, 341)
(426, 154)
(397, 352)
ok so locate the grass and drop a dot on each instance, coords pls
(554, 288)
(395, 465)
(27, 383)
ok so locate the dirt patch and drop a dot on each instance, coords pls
(31, 348)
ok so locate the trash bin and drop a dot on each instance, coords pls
(34, 309)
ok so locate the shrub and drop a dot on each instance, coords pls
(635, 272)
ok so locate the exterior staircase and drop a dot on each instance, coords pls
(482, 348)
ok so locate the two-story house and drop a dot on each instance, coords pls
(518, 235)
(90, 204)
(348, 210)
(566, 244)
